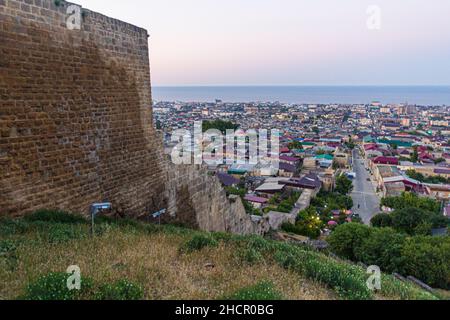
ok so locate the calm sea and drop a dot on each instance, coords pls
(421, 95)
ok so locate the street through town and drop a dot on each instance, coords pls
(366, 201)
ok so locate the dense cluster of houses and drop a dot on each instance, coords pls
(315, 140)
(305, 167)
(392, 159)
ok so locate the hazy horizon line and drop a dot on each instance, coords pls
(301, 85)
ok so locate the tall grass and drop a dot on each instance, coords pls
(41, 232)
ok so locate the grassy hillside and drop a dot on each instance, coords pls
(132, 260)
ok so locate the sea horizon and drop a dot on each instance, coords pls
(427, 95)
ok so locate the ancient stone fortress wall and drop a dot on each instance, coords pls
(76, 123)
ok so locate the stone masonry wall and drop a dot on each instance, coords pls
(198, 199)
(76, 123)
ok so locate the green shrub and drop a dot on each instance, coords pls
(428, 259)
(408, 220)
(439, 221)
(391, 287)
(249, 255)
(346, 238)
(55, 216)
(302, 228)
(411, 200)
(7, 246)
(287, 255)
(62, 233)
(54, 287)
(411, 220)
(223, 237)
(9, 227)
(381, 220)
(260, 244)
(424, 229)
(424, 257)
(329, 201)
(382, 248)
(262, 291)
(120, 290)
(198, 242)
(347, 280)
(8, 254)
(343, 185)
(290, 228)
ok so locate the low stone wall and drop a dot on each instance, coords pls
(197, 199)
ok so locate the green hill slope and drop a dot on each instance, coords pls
(133, 260)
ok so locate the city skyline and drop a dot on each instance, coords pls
(293, 43)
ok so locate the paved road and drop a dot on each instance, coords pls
(363, 193)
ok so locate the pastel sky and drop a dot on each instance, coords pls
(290, 42)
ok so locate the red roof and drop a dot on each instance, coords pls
(256, 199)
(370, 146)
(333, 144)
(425, 155)
(386, 160)
(422, 149)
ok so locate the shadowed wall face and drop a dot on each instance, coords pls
(75, 112)
(76, 124)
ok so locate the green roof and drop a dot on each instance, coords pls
(368, 139)
(308, 143)
(237, 171)
(325, 157)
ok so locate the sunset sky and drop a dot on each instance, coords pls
(290, 42)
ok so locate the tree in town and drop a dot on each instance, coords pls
(381, 220)
(220, 125)
(415, 155)
(409, 199)
(424, 257)
(332, 201)
(411, 221)
(382, 248)
(295, 145)
(346, 238)
(308, 224)
(420, 177)
(428, 259)
(343, 185)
